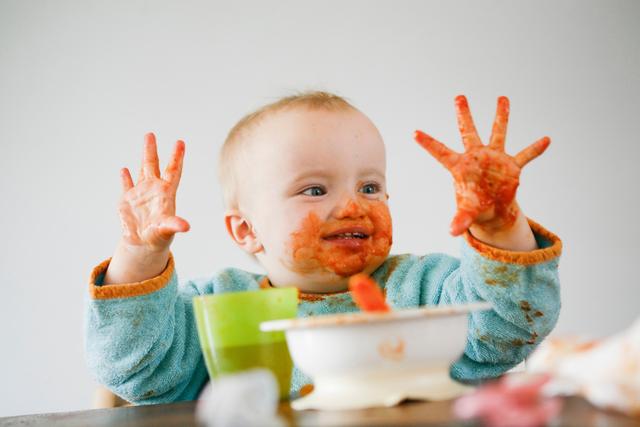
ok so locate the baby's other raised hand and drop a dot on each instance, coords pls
(486, 178)
(148, 208)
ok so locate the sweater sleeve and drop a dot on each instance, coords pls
(523, 288)
(141, 339)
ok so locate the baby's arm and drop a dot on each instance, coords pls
(524, 290)
(501, 262)
(140, 337)
(141, 341)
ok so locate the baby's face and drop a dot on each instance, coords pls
(315, 193)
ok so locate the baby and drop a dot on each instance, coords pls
(304, 186)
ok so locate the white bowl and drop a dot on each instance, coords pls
(378, 359)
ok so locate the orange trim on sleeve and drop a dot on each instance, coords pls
(124, 290)
(523, 258)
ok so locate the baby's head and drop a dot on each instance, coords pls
(305, 191)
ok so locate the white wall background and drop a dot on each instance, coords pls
(82, 81)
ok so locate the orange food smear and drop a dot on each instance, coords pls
(367, 294)
(311, 253)
(306, 389)
(484, 182)
(392, 350)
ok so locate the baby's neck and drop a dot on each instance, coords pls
(315, 287)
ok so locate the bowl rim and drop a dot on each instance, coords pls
(329, 320)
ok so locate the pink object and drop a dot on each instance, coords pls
(512, 401)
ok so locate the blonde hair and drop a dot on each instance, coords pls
(237, 137)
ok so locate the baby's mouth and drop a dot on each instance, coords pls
(350, 236)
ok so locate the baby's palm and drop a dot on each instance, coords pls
(486, 178)
(147, 209)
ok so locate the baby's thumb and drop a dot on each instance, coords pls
(461, 222)
(172, 225)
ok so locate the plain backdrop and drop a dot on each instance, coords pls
(82, 81)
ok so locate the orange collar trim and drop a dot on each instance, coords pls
(265, 283)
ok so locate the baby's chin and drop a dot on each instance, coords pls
(328, 281)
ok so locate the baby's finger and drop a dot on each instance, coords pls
(172, 225)
(127, 182)
(532, 151)
(173, 172)
(461, 222)
(438, 150)
(470, 137)
(499, 131)
(150, 163)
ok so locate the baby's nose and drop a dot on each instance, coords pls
(350, 209)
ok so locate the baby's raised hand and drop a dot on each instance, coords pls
(147, 209)
(486, 178)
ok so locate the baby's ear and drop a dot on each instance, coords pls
(241, 231)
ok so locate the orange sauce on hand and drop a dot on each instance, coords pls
(486, 177)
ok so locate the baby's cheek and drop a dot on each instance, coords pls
(383, 229)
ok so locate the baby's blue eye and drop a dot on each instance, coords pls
(314, 191)
(370, 188)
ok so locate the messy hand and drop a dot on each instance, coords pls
(486, 178)
(147, 210)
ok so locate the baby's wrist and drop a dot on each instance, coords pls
(516, 236)
(132, 263)
(144, 258)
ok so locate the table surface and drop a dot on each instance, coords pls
(576, 412)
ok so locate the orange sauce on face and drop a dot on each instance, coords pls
(312, 253)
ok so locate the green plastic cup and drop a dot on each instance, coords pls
(230, 337)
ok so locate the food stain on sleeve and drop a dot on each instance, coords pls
(148, 394)
(141, 363)
(308, 297)
(498, 343)
(501, 275)
(391, 266)
(493, 282)
(526, 309)
(137, 320)
(504, 345)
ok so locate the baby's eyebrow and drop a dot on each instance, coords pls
(321, 173)
(314, 173)
(372, 171)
